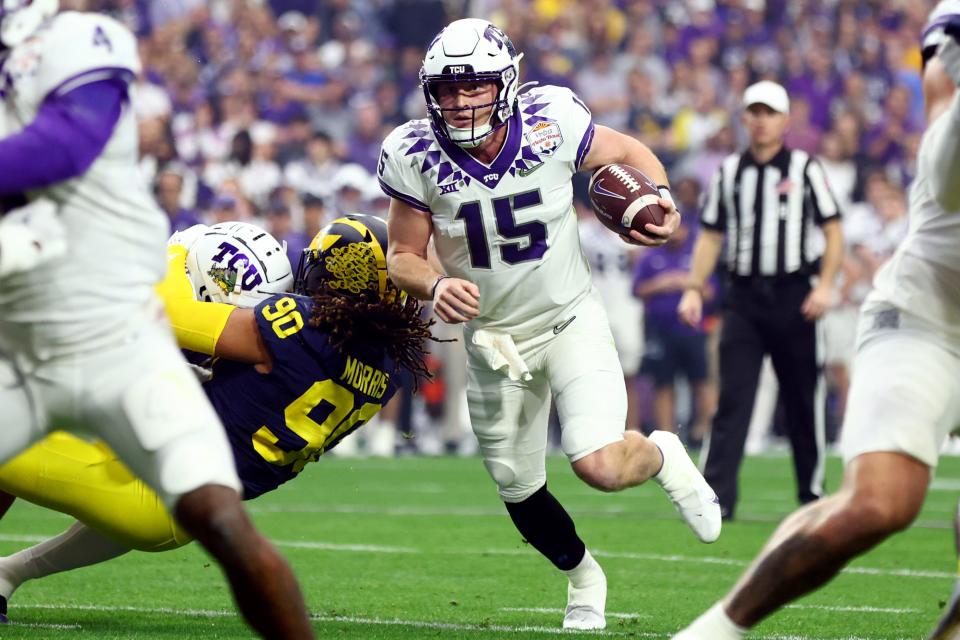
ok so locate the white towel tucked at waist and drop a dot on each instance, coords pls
(500, 353)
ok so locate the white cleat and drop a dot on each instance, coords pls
(586, 603)
(686, 488)
(584, 618)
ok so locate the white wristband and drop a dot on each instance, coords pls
(665, 194)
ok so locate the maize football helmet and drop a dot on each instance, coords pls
(348, 256)
(238, 263)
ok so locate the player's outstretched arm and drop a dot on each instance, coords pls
(210, 328)
(455, 300)
(69, 132)
(612, 147)
(409, 231)
(240, 339)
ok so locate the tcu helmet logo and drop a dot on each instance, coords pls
(496, 36)
(225, 275)
(457, 68)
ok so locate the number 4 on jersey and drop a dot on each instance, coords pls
(100, 39)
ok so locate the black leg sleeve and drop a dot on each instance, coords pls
(546, 525)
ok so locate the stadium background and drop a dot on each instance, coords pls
(273, 112)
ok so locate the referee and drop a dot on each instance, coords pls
(767, 203)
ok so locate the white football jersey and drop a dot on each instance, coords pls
(116, 232)
(509, 227)
(923, 276)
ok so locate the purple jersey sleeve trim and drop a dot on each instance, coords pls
(413, 202)
(68, 133)
(584, 147)
(89, 76)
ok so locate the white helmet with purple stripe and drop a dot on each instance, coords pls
(471, 50)
(944, 19)
(19, 19)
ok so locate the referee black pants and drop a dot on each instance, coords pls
(762, 316)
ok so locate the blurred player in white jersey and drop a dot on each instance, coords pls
(611, 268)
(488, 178)
(83, 342)
(905, 394)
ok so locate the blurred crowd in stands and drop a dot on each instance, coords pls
(273, 111)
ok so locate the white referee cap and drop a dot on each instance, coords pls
(769, 93)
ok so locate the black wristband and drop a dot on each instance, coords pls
(433, 289)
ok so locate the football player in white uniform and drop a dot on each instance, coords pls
(83, 342)
(905, 393)
(487, 177)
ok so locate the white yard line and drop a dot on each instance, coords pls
(397, 622)
(330, 546)
(200, 613)
(851, 609)
(818, 607)
(599, 553)
(40, 625)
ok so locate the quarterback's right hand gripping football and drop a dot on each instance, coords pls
(456, 300)
(31, 236)
(656, 236)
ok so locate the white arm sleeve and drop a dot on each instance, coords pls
(940, 157)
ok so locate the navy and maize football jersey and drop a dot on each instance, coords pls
(312, 397)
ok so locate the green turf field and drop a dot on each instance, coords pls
(422, 548)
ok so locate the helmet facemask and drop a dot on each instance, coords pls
(347, 258)
(474, 135)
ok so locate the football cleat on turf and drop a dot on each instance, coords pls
(3, 611)
(686, 488)
(584, 618)
(586, 603)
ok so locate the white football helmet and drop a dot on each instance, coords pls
(19, 19)
(238, 263)
(945, 18)
(471, 50)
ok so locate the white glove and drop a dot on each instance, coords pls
(188, 236)
(949, 54)
(31, 236)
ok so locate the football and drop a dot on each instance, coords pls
(623, 198)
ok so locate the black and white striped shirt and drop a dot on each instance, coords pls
(769, 212)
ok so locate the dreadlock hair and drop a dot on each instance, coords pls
(364, 322)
